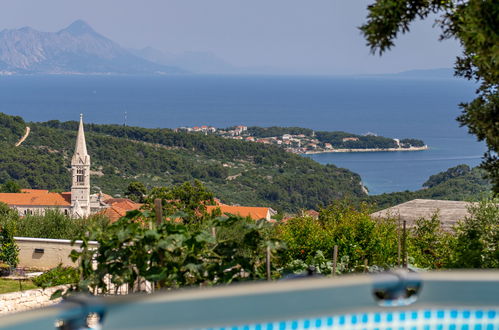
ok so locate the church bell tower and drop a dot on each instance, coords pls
(80, 169)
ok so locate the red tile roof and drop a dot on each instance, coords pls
(119, 207)
(255, 213)
(34, 191)
(32, 197)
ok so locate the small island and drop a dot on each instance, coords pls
(300, 140)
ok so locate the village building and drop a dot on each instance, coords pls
(77, 203)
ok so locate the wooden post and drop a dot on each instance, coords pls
(404, 245)
(268, 264)
(214, 232)
(158, 208)
(399, 253)
(366, 267)
(335, 259)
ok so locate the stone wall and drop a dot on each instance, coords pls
(26, 300)
(45, 253)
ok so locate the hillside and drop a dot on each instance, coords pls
(237, 171)
(457, 183)
(77, 49)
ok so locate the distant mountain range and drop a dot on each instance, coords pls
(440, 73)
(195, 62)
(77, 49)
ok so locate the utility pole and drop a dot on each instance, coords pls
(404, 245)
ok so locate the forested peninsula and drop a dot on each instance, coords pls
(301, 140)
(236, 171)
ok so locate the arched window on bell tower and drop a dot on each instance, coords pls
(80, 176)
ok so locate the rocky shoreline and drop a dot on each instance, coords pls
(367, 150)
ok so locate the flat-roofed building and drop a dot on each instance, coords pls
(449, 212)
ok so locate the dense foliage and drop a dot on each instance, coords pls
(9, 251)
(10, 187)
(457, 183)
(11, 128)
(472, 243)
(57, 276)
(453, 172)
(475, 24)
(364, 141)
(263, 132)
(236, 171)
(358, 237)
(53, 224)
(476, 241)
(174, 251)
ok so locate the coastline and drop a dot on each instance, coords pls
(368, 150)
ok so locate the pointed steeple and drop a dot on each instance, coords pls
(81, 146)
(80, 168)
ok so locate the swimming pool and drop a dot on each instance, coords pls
(442, 319)
(396, 301)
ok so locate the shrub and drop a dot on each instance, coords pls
(357, 236)
(57, 276)
(476, 243)
(8, 248)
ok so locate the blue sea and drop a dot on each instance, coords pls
(391, 106)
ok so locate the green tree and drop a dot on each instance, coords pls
(476, 242)
(475, 24)
(187, 200)
(136, 191)
(10, 187)
(8, 248)
(428, 244)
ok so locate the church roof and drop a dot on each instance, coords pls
(34, 197)
(81, 146)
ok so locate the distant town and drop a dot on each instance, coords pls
(308, 142)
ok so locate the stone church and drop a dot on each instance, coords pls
(77, 203)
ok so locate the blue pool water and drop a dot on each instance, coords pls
(442, 319)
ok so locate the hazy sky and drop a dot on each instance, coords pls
(297, 36)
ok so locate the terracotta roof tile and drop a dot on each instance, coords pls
(255, 213)
(36, 199)
(119, 207)
(34, 191)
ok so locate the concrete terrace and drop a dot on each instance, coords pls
(450, 212)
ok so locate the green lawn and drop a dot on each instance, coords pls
(13, 285)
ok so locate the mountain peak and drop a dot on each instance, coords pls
(79, 27)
